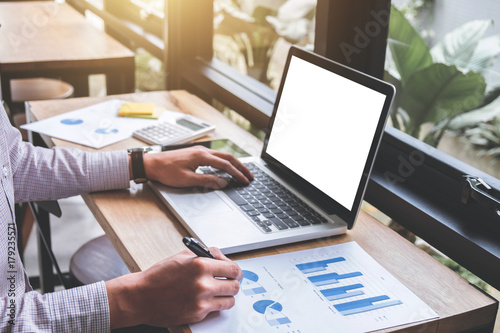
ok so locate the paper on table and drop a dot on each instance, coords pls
(338, 289)
(95, 126)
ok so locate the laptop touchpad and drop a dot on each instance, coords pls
(196, 204)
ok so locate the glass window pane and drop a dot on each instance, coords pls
(156, 6)
(96, 3)
(443, 57)
(253, 36)
(239, 120)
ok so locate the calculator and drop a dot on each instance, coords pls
(184, 129)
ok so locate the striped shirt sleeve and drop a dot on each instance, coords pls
(49, 174)
(81, 309)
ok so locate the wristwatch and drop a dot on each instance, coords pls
(136, 157)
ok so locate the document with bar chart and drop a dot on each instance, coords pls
(338, 288)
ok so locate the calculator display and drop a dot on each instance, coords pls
(188, 124)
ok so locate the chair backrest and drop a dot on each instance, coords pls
(33, 89)
(7, 109)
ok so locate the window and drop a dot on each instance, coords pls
(420, 187)
(416, 185)
(138, 24)
(449, 97)
(254, 36)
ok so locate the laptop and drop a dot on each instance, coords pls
(325, 130)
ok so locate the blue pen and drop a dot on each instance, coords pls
(197, 247)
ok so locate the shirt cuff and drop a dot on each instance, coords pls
(109, 170)
(81, 309)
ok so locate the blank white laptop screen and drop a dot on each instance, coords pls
(322, 119)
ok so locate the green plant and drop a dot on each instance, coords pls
(150, 75)
(481, 128)
(437, 85)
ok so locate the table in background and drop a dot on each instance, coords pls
(49, 39)
(144, 231)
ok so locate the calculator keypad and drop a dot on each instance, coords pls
(162, 133)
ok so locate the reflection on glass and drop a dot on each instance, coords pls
(443, 58)
(153, 5)
(254, 36)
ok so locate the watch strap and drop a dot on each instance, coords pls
(137, 161)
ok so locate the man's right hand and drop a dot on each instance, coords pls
(178, 167)
(181, 289)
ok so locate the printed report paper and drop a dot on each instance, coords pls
(96, 125)
(339, 288)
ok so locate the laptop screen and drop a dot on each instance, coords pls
(324, 128)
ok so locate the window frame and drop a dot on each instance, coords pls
(133, 31)
(418, 186)
(435, 221)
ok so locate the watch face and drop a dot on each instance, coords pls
(153, 149)
(131, 150)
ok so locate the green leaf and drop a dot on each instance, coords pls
(493, 152)
(409, 51)
(486, 54)
(490, 136)
(492, 93)
(440, 91)
(457, 47)
(472, 118)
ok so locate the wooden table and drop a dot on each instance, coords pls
(49, 39)
(144, 231)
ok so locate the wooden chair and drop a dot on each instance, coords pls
(31, 89)
(34, 89)
(97, 260)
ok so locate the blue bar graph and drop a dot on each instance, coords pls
(365, 305)
(331, 278)
(316, 266)
(334, 294)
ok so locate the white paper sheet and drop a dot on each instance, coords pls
(338, 289)
(95, 126)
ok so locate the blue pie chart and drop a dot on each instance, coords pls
(250, 276)
(262, 305)
(106, 131)
(70, 121)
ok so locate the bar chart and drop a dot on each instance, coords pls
(317, 266)
(338, 288)
(364, 305)
(333, 294)
(347, 297)
(332, 278)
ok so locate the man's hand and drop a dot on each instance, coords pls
(178, 290)
(177, 167)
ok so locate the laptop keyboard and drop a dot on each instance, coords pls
(268, 204)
